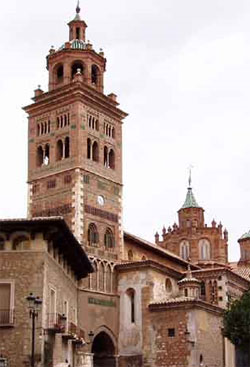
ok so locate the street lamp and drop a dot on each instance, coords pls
(34, 307)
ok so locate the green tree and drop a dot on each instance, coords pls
(237, 322)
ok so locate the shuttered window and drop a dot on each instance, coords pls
(5, 304)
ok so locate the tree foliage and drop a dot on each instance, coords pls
(237, 322)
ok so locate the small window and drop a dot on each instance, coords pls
(67, 179)
(95, 152)
(168, 285)
(112, 159)
(203, 289)
(75, 67)
(89, 146)
(131, 298)
(77, 33)
(185, 292)
(39, 156)
(94, 74)
(51, 184)
(86, 179)
(171, 333)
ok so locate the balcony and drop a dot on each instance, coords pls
(56, 323)
(6, 318)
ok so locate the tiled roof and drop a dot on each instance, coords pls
(241, 269)
(245, 235)
(180, 299)
(190, 201)
(151, 246)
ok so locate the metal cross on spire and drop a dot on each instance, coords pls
(78, 9)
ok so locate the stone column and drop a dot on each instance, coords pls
(84, 359)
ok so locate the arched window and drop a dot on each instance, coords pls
(168, 285)
(93, 236)
(89, 150)
(101, 277)
(39, 156)
(203, 290)
(57, 123)
(97, 125)
(204, 249)
(67, 147)
(46, 155)
(94, 74)
(2, 244)
(130, 293)
(184, 249)
(74, 69)
(106, 164)
(112, 159)
(49, 126)
(95, 152)
(113, 132)
(94, 276)
(42, 128)
(59, 73)
(109, 239)
(38, 130)
(130, 255)
(59, 150)
(108, 279)
(21, 243)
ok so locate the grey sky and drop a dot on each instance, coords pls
(181, 69)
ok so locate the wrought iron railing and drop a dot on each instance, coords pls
(6, 317)
(56, 322)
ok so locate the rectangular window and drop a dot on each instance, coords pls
(6, 303)
(51, 184)
(171, 333)
(52, 308)
(86, 179)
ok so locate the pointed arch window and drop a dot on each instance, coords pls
(130, 293)
(184, 249)
(93, 236)
(109, 239)
(204, 249)
(101, 277)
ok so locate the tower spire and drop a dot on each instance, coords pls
(190, 177)
(78, 9)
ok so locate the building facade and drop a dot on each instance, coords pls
(130, 302)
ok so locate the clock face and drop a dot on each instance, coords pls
(100, 200)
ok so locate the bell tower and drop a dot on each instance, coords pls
(75, 146)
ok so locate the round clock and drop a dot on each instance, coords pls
(100, 200)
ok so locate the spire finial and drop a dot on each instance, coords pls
(78, 9)
(190, 176)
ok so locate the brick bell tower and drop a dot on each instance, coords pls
(75, 146)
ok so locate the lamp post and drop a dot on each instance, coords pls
(34, 307)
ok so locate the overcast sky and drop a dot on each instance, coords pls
(181, 69)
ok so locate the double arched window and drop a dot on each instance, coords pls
(184, 249)
(93, 235)
(204, 249)
(43, 155)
